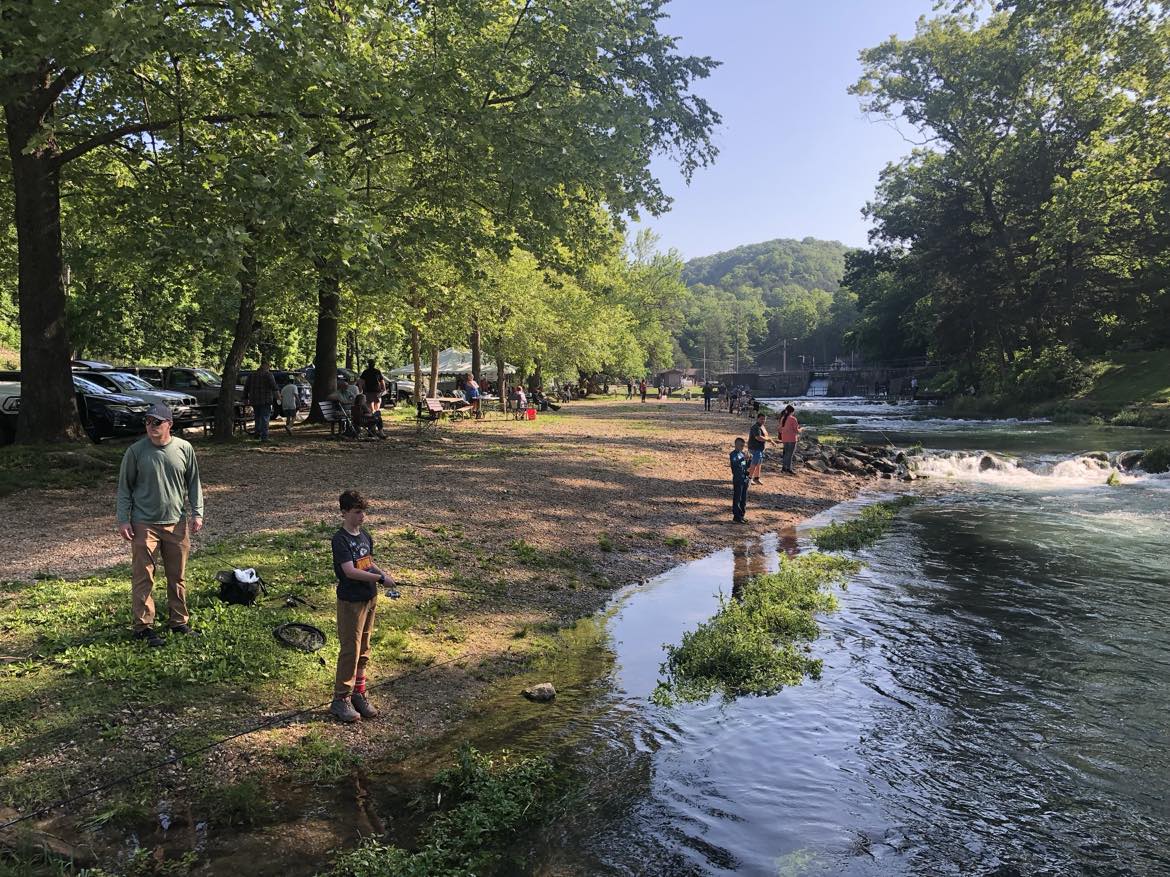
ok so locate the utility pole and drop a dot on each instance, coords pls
(785, 355)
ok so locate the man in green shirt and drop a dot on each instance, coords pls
(159, 476)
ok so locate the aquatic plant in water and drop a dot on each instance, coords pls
(485, 802)
(754, 643)
(869, 526)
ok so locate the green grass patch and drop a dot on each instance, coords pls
(317, 758)
(483, 805)
(58, 466)
(869, 526)
(753, 644)
(815, 418)
(604, 542)
(1127, 378)
(677, 542)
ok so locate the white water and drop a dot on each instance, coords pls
(1038, 471)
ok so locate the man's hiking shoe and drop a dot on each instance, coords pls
(185, 630)
(365, 709)
(757, 481)
(343, 709)
(151, 637)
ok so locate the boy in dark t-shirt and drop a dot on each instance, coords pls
(358, 578)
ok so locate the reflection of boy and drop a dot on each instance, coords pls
(739, 482)
(358, 578)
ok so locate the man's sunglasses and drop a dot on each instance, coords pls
(154, 421)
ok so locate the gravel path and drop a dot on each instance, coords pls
(602, 467)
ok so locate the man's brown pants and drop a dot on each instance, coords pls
(355, 621)
(172, 542)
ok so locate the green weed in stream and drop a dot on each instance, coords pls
(480, 806)
(754, 643)
(869, 526)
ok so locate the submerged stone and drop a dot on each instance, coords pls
(540, 693)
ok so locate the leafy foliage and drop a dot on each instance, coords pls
(753, 645)
(869, 526)
(484, 804)
(1157, 459)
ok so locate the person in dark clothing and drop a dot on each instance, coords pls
(260, 391)
(739, 482)
(364, 417)
(373, 385)
(708, 392)
(358, 578)
(758, 439)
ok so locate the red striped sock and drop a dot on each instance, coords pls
(360, 686)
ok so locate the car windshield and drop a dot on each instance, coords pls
(130, 382)
(209, 376)
(88, 386)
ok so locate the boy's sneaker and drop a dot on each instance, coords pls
(184, 630)
(151, 637)
(343, 709)
(365, 709)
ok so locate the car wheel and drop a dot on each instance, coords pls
(94, 435)
(7, 434)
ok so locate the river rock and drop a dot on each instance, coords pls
(987, 462)
(1098, 455)
(817, 465)
(884, 466)
(541, 693)
(1130, 460)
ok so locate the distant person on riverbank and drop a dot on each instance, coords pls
(642, 389)
(158, 478)
(708, 392)
(629, 389)
(758, 439)
(914, 388)
(739, 482)
(358, 578)
(789, 432)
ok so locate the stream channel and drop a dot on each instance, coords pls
(993, 701)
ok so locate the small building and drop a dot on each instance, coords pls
(672, 378)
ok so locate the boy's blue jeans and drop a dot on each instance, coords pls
(263, 414)
(739, 490)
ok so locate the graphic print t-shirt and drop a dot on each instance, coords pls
(754, 441)
(360, 550)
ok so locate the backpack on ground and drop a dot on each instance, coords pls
(240, 586)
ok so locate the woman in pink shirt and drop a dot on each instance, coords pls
(789, 430)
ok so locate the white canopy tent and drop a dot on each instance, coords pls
(454, 361)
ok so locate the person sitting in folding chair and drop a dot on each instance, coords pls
(364, 418)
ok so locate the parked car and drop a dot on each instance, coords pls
(282, 377)
(103, 414)
(107, 415)
(9, 408)
(202, 383)
(184, 406)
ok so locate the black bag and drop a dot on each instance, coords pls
(232, 590)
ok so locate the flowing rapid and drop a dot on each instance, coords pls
(994, 698)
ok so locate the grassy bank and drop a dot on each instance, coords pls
(870, 525)
(1125, 389)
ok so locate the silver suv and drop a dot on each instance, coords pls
(183, 405)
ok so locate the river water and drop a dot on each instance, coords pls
(994, 698)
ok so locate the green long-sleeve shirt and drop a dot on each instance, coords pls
(155, 483)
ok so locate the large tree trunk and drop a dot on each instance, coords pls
(434, 388)
(325, 359)
(351, 349)
(476, 349)
(48, 413)
(416, 359)
(225, 409)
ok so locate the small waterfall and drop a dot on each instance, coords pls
(1082, 469)
(818, 387)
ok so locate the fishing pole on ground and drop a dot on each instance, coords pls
(178, 757)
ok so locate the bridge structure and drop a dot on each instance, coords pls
(881, 380)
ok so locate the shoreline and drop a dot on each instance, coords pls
(538, 523)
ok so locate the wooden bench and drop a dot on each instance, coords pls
(336, 415)
(429, 414)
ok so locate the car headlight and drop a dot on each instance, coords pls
(138, 409)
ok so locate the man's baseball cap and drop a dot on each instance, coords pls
(161, 411)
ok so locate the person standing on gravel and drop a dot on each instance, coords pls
(758, 439)
(158, 478)
(789, 433)
(260, 392)
(739, 482)
(358, 578)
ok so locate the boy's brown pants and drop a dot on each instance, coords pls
(355, 621)
(172, 542)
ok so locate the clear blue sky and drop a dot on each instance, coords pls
(797, 157)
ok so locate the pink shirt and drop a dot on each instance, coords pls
(789, 429)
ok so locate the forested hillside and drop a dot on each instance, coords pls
(746, 301)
